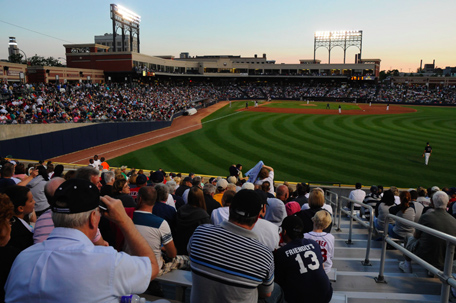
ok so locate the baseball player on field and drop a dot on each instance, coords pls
(427, 153)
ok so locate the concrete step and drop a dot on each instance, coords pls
(356, 297)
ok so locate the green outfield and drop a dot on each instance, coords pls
(371, 149)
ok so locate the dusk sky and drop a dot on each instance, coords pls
(400, 32)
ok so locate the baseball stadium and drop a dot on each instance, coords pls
(213, 125)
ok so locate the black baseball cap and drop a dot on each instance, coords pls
(246, 203)
(156, 177)
(293, 225)
(75, 196)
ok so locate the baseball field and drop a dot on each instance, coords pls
(305, 142)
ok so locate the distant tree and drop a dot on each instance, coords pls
(37, 61)
(15, 58)
(41, 61)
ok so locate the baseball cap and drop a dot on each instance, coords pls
(452, 191)
(435, 188)
(293, 225)
(222, 184)
(374, 189)
(187, 179)
(263, 195)
(232, 179)
(156, 177)
(292, 208)
(75, 196)
(211, 180)
(248, 185)
(141, 179)
(246, 203)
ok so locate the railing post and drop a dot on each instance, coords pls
(352, 206)
(447, 271)
(338, 212)
(381, 277)
(371, 227)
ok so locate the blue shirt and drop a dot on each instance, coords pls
(67, 267)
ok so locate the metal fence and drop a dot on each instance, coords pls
(333, 199)
(369, 225)
(445, 276)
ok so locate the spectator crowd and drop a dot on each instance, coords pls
(100, 233)
(41, 103)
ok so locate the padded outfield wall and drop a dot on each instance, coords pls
(65, 141)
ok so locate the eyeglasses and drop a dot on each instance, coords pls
(12, 220)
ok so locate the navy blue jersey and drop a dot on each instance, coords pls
(299, 271)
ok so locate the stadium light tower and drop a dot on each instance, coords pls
(126, 20)
(344, 39)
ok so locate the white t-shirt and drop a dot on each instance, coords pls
(268, 233)
(326, 241)
(219, 215)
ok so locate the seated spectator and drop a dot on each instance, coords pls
(211, 204)
(267, 232)
(90, 174)
(178, 200)
(83, 272)
(7, 253)
(121, 191)
(222, 213)
(395, 191)
(429, 248)
(109, 178)
(416, 205)
(162, 209)
(154, 229)
(299, 266)
(371, 199)
(7, 172)
(403, 210)
(301, 189)
(316, 203)
(357, 195)
(382, 210)
(58, 171)
(21, 230)
(189, 217)
(322, 220)
(276, 211)
(422, 196)
(186, 184)
(221, 188)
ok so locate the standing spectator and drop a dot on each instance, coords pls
(267, 174)
(37, 188)
(96, 161)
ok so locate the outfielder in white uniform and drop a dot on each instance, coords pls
(321, 220)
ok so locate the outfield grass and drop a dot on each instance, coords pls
(371, 149)
(312, 105)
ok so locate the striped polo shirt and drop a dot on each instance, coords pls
(228, 261)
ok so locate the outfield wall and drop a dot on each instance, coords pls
(61, 142)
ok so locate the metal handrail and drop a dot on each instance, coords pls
(445, 276)
(370, 226)
(337, 215)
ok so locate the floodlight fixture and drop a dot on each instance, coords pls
(126, 20)
(341, 38)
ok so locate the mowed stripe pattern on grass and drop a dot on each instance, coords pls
(372, 149)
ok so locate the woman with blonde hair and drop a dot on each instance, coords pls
(316, 203)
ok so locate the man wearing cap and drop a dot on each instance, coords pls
(221, 188)
(299, 266)
(68, 267)
(228, 262)
(186, 184)
(427, 153)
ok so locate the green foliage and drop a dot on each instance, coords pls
(371, 149)
(41, 61)
(15, 58)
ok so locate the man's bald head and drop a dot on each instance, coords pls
(282, 193)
